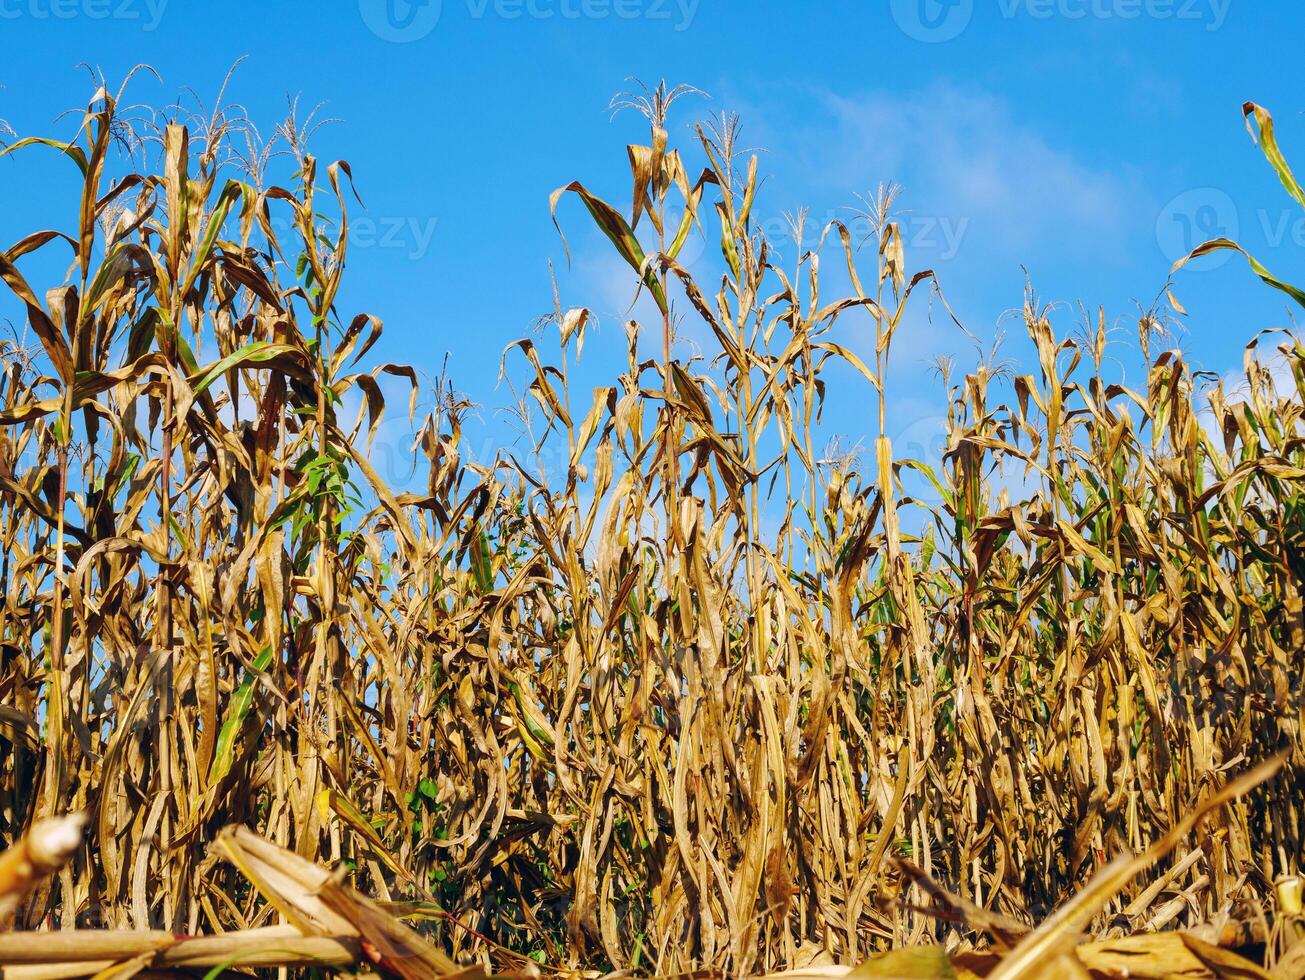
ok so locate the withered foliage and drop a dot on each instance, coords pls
(689, 700)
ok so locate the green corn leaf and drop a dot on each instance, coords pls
(237, 711)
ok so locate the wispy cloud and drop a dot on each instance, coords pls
(965, 155)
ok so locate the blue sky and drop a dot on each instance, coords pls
(1087, 141)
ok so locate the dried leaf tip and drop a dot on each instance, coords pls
(43, 851)
(1288, 889)
(52, 842)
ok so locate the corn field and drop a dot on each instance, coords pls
(704, 697)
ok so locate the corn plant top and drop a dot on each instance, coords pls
(709, 694)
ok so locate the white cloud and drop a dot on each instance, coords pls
(961, 155)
